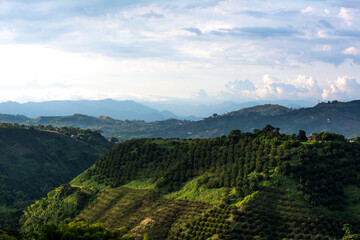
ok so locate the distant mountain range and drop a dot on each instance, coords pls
(132, 110)
(338, 117)
(122, 110)
(186, 108)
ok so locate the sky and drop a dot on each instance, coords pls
(208, 51)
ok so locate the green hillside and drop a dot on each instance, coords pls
(261, 185)
(33, 161)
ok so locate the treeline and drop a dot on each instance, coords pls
(84, 135)
(230, 160)
(77, 229)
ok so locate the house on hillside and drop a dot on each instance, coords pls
(312, 137)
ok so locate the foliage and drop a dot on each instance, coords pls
(302, 136)
(34, 161)
(260, 185)
(326, 136)
(348, 233)
(79, 229)
(323, 170)
(173, 162)
(61, 204)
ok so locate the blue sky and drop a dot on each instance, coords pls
(237, 50)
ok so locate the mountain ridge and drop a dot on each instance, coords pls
(125, 109)
(339, 117)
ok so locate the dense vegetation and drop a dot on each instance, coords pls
(260, 185)
(35, 160)
(80, 230)
(240, 161)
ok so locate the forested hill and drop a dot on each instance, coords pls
(260, 185)
(337, 117)
(33, 161)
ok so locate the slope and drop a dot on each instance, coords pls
(33, 161)
(263, 185)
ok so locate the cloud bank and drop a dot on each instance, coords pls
(343, 88)
(145, 48)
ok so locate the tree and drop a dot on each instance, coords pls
(302, 136)
(348, 233)
(234, 136)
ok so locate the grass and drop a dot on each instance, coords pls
(6, 237)
(283, 183)
(352, 194)
(79, 181)
(192, 191)
(141, 184)
(246, 199)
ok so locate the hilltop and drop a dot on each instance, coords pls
(33, 161)
(260, 185)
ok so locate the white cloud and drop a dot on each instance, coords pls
(323, 48)
(272, 88)
(299, 88)
(7, 36)
(240, 85)
(343, 88)
(302, 87)
(322, 34)
(351, 51)
(347, 15)
(176, 47)
(308, 10)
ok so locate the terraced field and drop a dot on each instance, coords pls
(141, 211)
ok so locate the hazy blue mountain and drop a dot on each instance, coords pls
(13, 118)
(122, 110)
(186, 108)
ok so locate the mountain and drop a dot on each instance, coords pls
(34, 161)
(260, 185)
(166, 128)
(116, 109)
(9, 118)
(186, 108)
(339, 117)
